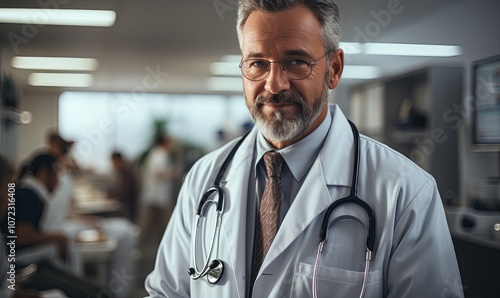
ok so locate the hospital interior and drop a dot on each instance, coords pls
(136, 78)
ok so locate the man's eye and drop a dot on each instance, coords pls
(259, 64)
(297, 62)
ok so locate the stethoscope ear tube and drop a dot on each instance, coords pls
(206, 197)
(370, 241)
(212, 270)
(352, 198)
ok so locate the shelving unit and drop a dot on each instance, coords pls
(416, 115)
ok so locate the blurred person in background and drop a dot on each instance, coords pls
(157, 199)
(60, 205)
(64, 219)
(125, 186)
(6, 177)
(37, 181)
(51, 281)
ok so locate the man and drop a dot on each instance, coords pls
(39, 179)
(125, 186)
(46, 277)
(290, 60)
(6, 175)
(157, 191)
(60, 204)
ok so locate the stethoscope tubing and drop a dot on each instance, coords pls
(206, 200)
(352, 198)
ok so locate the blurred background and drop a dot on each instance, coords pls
(422, 76)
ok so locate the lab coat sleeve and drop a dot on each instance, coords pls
(423, 261)
(170, 276)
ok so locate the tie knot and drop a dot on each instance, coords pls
(274, 164)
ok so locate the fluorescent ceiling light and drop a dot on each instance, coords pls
(412, 50)
(360, 72)
(225, 68)
(61, 79)
(55, 63)
(69, 17)
(401, 49)
(231, 58)
(224, 84)
(351, 48)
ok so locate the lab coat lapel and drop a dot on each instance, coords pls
(333, 167)
(235, 185)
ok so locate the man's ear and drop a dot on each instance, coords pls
(336, 67)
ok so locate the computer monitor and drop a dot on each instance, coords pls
(486, 103)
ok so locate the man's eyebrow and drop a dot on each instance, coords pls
(254, 55)
(296, 52)
(301, 53)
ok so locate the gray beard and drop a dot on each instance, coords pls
(281, 127)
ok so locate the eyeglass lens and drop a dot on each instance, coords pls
(295, 69)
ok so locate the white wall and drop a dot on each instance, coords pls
(43, 106)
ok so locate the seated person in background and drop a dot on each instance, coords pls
(61, 219)
(6, 174)
(125, 186)
(39, 179)
(51, 281)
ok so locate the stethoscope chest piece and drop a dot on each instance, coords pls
(216, 271)
(213, 273)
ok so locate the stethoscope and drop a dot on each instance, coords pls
(214, 269)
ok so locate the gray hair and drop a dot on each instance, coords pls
(326, 11)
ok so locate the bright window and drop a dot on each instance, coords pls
(100, 123)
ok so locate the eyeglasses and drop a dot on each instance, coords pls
(293, 68)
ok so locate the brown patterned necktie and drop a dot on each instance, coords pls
(267, 222)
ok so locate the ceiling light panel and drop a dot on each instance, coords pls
(225, 68)
(360, 72)
(61, 79)
(398, 49)
(401, 49)
(225, 84)
(55, 63)
(67, 17)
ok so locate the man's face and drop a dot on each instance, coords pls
(287, 110)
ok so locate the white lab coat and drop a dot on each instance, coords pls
(413, 254)
(157, 182)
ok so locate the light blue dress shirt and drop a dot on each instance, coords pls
(299, 158)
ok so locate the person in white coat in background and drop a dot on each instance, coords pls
(157, 201)
(291, 58)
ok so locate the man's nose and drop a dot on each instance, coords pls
(276, 81)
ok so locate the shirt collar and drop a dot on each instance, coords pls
(300, 155)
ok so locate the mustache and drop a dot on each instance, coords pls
(281, 98)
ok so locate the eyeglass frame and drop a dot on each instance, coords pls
(311, 64)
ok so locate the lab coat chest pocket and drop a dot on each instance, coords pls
(333, 282)
(342, 261)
